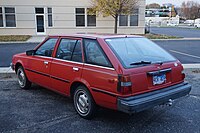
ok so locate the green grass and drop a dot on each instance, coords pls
(14, 38)
(159, 36)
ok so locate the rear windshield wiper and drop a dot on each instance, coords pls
(141, 63)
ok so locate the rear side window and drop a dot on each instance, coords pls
(47, 48)
(70, 50)
(94, 54)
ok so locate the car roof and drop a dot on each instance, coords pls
(95, 36)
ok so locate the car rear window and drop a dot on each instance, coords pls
(130, 51)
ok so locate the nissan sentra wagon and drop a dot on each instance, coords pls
(119, 72)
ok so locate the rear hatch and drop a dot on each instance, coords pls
(146, 66)
(154, 77)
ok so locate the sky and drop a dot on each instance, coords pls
(175, 2)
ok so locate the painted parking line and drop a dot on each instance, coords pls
(194, 56)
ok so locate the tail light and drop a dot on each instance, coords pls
(124, 84)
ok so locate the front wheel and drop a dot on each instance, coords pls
(84, 103)
(23, 81)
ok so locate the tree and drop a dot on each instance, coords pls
(190, 9)
(113, 8)
(153, 5)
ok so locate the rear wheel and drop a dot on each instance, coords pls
(84, 103)
(23, 81)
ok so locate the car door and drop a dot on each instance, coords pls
(40, 64)
(67, 64)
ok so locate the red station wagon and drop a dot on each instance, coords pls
(125, 73)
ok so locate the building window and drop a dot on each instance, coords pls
(123, 20)
(83, 18)
(39, 10)
(50, 21)
(1, 17)
(80, 17)
(91, 18)
(10, 17)
(134, 18)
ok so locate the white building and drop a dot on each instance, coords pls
(47, 17)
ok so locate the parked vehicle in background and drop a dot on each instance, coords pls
(189, 22)
(197, 23)
(172, 24)
(120, 72)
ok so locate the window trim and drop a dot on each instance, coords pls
(40, 45)
(48, 17)
(104, 54)
(129, 18)
(85, 17)
(4, 17)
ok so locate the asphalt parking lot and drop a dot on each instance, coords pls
(41, 110)
(177, 31)
(187, 51)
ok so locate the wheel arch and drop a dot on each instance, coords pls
(17, 65)
(75, 84)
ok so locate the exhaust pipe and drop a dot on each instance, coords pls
(170, 102)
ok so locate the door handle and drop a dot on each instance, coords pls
(75, 68)
(46, 62)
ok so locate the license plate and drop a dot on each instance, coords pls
(159, 79)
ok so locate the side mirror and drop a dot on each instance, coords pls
(30, 52)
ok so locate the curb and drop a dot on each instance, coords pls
(17, 42)
(178, 39)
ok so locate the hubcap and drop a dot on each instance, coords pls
(82, 102)
(21, 78)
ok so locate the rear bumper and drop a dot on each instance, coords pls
(148, 100)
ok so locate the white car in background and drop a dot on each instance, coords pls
(197, 23)
(189, 22)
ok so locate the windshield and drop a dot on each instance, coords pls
(137, 51)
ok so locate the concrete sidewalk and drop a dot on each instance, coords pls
(36, 39)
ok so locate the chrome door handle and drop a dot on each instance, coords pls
(75, 68)
(46, 62)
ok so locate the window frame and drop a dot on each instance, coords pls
(43, 44)
(50, 14)
(85, 18)
(135, 13)
(127, 23)
(80, 14)
(101, 49)
(88, 15)
(2, 14)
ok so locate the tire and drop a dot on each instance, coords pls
(84, 103)
(23, 81)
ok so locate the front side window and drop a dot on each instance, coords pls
(1, 17)
(69, 50)
(10, 17)
(94, 54)
(47, 48)
(80, 17)
(131, 51)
